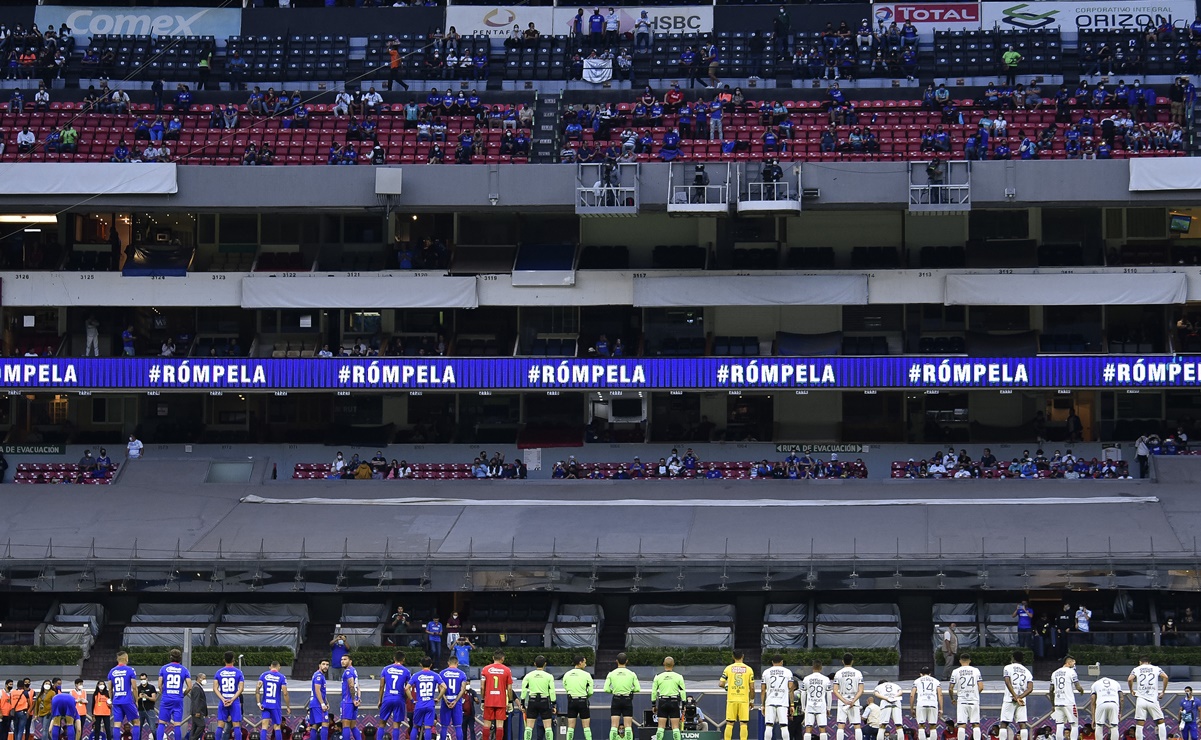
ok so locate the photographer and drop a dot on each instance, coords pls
(399, 625)
(700, 182)
(772, 174)
(934, 176)
(694, 718)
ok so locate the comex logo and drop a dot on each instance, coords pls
(499, 17)
(1017, 16)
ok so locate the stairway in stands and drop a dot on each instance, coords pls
(314, 649)
(104, 652)
(917, 628)
(612, 639)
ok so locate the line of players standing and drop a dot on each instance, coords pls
(1146, 686)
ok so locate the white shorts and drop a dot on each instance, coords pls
(1144, 708)
(926, 715)
(775, 715)
(1106, 714)
(1065, 715)
(849, 713)
(967, 714)
(890, 714)
(1011, 712)
(817, 719)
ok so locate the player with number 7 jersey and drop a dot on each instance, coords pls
(497, 682)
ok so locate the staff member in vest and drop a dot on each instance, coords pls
(102, 712)
(6, 709)
(81, 705)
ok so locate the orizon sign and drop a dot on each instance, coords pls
(100, 20)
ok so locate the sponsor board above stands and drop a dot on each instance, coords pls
(494, 20)
(867, 373)
(103, 19)
(744, 18)
(1070, 17)
(929, 16)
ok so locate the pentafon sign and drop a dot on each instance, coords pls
(709, 373)
(929, 16)
(100, 19)
(1132, 15)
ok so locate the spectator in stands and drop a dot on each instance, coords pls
(25, 140)
(16, 103)
(436, 155)
(69, 139)
(41, 99)
(373, 102)
(183, 99)
(121, 152)
(250, 157)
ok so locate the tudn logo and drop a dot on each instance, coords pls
(884, 14)
(1017, 16)
(499, 17)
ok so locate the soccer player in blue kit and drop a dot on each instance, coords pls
(228, 683)
(174, 683)
(393, 682)
(123, 681)
(426, 689)
(319, 701)
(451, 706)
(350, 700)
(63, 713)
(272, 697)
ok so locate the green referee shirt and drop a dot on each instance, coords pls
(578, 683)
(622, 682)
(538, 683)
(667, 685)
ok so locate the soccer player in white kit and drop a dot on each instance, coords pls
(890, 695)
(1148, 684)
(815, 702)
(966, 685)
(777, 685)
(848, 687)
(1064, 686)
(1019, 682)
(1105, 706)
(925, 701)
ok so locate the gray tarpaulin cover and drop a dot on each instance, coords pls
(176, 613)
(93, 178)
(156, 635)
(957, 613)
(676, 613)
(67, 635)
(364, 613)
(296, 614)
(575, 636)
(836, 636)
(1164, 174)
(731, 290)
(260, 636)
(839, 613)
(580, 613)
(776, 637)
(679, 636)
(1066, 290)
(787, 613)
(379, 291)
(89, 614)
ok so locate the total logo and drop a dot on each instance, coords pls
(928, 13)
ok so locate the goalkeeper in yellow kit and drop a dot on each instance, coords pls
(738, 680)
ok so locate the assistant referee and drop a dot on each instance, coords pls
(538, 698)
(622, 684)
(668, 694)
(578, 685)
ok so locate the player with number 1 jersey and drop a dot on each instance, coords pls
(497, 682)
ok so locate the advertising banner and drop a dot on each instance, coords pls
(350, 21)
(101, 19)
(1132, 15)
(498, 21)
(929, 16)
(808, 18)
(470, 374)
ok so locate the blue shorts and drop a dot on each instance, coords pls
(392, 709)
(317, 715)
(170, 711)
(232, 713)
(349, 711)
(275, 714)
(64, 708)
(451, 716)
(422, 717)
(126, 712)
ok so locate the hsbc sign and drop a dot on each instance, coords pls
(929, 16)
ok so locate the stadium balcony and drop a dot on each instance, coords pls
(62, 473)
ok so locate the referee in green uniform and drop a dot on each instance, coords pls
(578, 685)
(538, 698)
(622, 684)
(668, 695)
